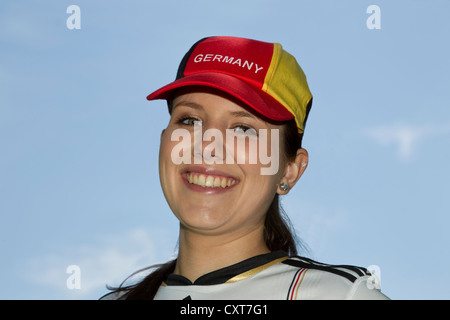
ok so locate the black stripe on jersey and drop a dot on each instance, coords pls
(301, 262)
(358, 270)
(292, 282)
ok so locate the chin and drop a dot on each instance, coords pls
(204, 220)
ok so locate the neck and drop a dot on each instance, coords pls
(200, 254)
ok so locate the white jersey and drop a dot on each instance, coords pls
(275, 276)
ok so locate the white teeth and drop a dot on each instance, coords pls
(223, 183)
(209, 181)
(201, 180)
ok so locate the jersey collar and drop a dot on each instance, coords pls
(233, 273)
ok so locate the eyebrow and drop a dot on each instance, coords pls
(188, 104)
(243, 114)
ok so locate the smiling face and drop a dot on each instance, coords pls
(221, 196)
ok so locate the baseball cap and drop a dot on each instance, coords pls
(260, 74)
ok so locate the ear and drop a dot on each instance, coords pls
(294, 170)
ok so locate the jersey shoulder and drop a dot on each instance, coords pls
(316, 280)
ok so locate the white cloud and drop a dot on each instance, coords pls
(406, 137)
(109, 260)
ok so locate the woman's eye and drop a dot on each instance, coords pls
(191, 122)
(245, 130)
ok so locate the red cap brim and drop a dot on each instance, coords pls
(254, 97)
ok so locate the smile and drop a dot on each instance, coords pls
(209, 181)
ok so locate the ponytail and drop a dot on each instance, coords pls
(278, 231)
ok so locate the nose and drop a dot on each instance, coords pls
(208, 146)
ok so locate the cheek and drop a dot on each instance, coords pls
(244, 149)
(164, 154)
(263, 152)
(167, 167)
(258, 189)
(175, 146)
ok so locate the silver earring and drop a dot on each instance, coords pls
(284, 186)
(303, 164)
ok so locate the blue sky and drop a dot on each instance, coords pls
(79, 142)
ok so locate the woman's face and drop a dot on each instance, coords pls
(208, 192)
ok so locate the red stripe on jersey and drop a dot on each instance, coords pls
(296, 283)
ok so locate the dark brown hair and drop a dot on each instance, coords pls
(278, 234)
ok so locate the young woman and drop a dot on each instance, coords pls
(231, 149)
